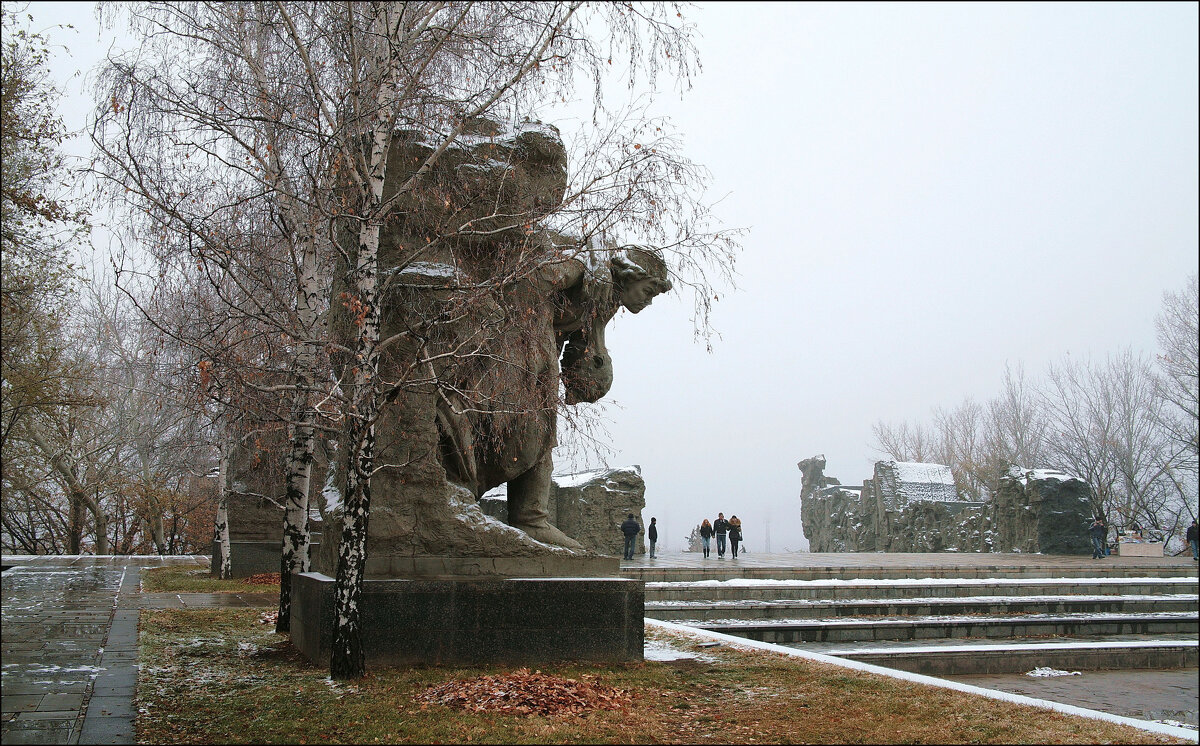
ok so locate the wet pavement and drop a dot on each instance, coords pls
(1164, 695)
(69, 645)
(903, 560)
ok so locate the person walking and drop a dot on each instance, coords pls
(652, 535)
(706, 532)
(721, 529)
(630, 528)
(735, 533)
(1099, 533)
(1193, 540)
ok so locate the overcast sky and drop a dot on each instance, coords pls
(931, 192)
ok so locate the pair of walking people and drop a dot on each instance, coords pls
(722, 529)
(630, 529)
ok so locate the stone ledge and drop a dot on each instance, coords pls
(435, 567)
(498, 620)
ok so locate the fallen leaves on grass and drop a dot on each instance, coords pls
(525, 693)
(268, 617)
(263, 578)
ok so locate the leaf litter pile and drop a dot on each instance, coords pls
(264, 578)
(523, 693)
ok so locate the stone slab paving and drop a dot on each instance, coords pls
(901, 560)
(69, 646)
(1167, 694)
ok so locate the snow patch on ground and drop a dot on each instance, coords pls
(663, 650)
(338, 687)
(1047, 672)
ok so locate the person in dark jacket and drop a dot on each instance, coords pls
(1193, 540)
(706, 533)
(652, 535)
(735, 533)
(721, 529)
(630, 528)
(1099, 533)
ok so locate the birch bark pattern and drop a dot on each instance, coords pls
(221, 524)
(347, 659)
(296, 539)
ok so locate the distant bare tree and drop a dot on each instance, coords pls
(1017, 426)
(1179, 363)
(906, 442)
(1105, 428)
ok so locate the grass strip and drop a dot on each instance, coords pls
(192, 579)
(219, 676)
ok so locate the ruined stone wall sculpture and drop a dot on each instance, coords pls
(908, 507)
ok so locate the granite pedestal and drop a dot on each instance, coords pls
(248, 558)
(478, 620)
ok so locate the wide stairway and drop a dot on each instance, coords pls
(946, 620)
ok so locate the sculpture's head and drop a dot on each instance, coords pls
(639, 273)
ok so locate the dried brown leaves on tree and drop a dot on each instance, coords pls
(525, 693)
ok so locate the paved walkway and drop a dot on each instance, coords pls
(69, 644)
(913, 560)
(1147, 694)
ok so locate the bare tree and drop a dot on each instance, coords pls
(1105, 428)
(906, 442)
(1179, 366)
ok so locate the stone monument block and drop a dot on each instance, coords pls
(512, 620)
(1043, 510)
(256, 498)
(912, 507)
(512, 316)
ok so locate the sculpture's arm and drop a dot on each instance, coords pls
(583, 282)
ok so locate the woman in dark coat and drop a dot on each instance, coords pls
(735, 533)
(706, 533)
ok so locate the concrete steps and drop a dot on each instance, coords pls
(1021, 658)
(940, 627)
(824, 590)
(894, 572)
(687, 612)
(950, 619)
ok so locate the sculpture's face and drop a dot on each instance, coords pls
(638, 294)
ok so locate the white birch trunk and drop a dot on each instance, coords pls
(221, 524)
(296, 539)
(347, 659)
